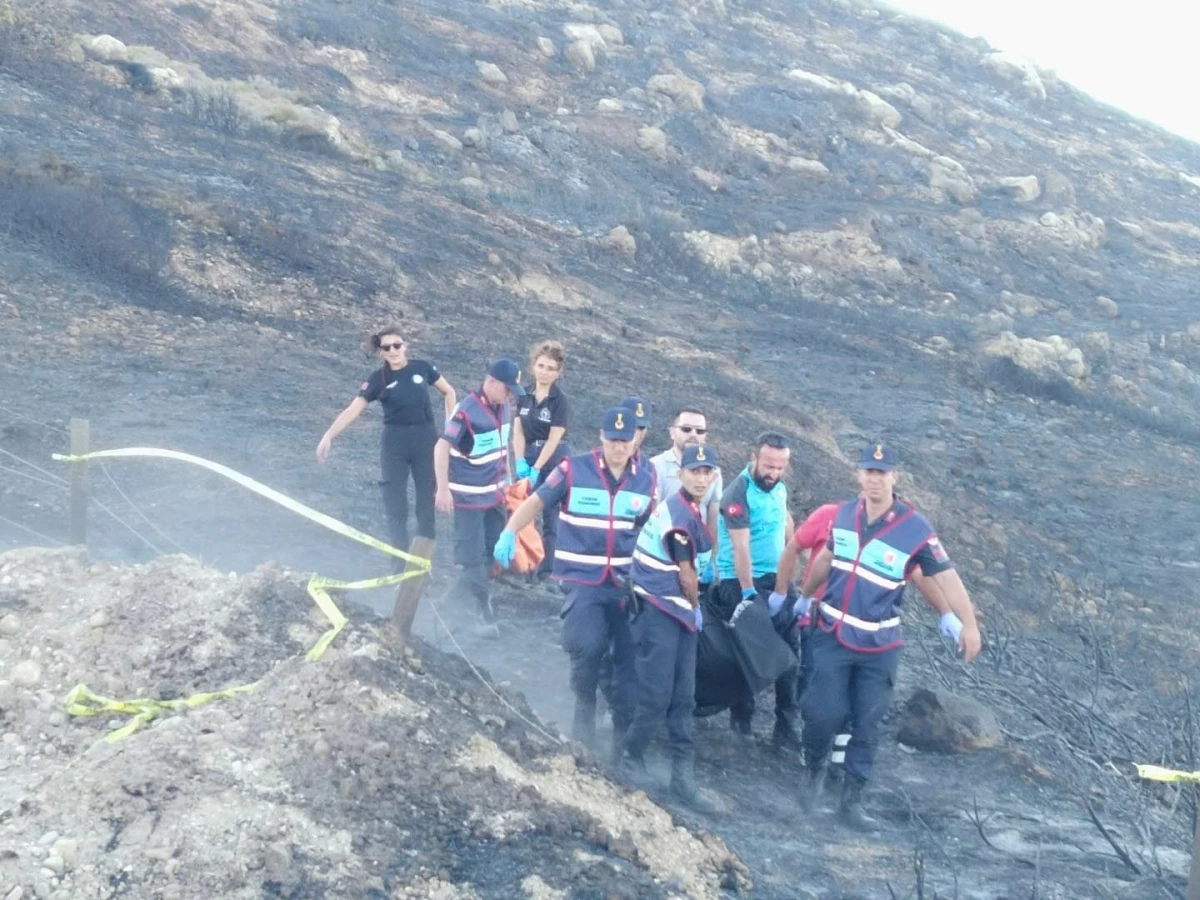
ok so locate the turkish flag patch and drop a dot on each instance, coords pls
(939, 552)
(735, 509)
(363, 386)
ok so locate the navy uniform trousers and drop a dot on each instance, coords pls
(666, 682)
(846, 684)
(475, 534)
(595, 623)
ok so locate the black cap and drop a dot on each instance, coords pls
(698, 456)
(509, 374)
(640, 408)
(879, 457)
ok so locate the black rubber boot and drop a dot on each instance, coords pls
(632, 770)
(811, 782)
(686, 791)
(784, 736)
(740, 725)
(583, 727)
(850, 812)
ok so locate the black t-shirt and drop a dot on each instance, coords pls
(538, 418)
(403, 393)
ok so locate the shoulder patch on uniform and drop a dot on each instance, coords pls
(939, 552)
(682, 539)
(734, 509)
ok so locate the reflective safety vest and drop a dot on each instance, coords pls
(598, 520)
(654, 574)
(866, 583)
(477, 478)
(768, 513)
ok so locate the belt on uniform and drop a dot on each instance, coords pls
(855, 622)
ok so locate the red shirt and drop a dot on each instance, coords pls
(813, 534)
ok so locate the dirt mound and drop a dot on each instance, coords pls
(367, 774)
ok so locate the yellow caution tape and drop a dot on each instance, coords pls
(83, 702)
(1158, 773)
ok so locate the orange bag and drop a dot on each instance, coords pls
(530, 551)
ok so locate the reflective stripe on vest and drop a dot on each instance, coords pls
(477, 478)
(597, 526)
(866, 581)
(654, 574)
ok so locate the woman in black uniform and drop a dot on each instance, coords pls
(401, 386)
(540, 432)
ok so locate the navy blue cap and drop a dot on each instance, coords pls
(697, 456)
(619, 424)
(509, 374)
(640, 408)
(880, 457)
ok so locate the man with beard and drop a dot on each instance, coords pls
(754, 526)
(689, 428)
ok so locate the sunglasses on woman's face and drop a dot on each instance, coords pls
(692, 429)
(399, 345)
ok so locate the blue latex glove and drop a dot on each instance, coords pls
(699, 619)
(506, 548)
(522, 469)
(534, 474)
(775, 602)
(950, 626)
(802, 607)
(749, 593)
(708, 575)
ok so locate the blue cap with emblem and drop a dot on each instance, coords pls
(879, 457)
(698, 456)
(640, 409)
(619, 424)
(507, 373)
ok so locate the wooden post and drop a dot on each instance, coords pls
(1194, 881)
(408, 595)
(80, 430)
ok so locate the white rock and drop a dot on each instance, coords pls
(10, 624)
(55, 864)
(581, 56)
(686, 92)
(1023, 188)
(609, 104)
(546, 47)
(26, 674)
(473, 137)
(98, 619)
(878, 110)
(108, 48)
(813, 168)
(653, 140)
(622, 241)
(1108, 307)
(15, 894)
(508, 121)
(490, 73)
(821, 83)
(1017, 68)
(1050, 220)
(68, 849)
(587, 33)
(446, 139)
(1190, 180)
(611, 34)
(948, 175)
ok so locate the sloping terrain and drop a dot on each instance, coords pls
(824, 217)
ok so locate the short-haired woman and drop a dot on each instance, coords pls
(401, 385)
(540, 432)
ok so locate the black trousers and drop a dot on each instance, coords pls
(726, 595)
(407, 450)
(475, 534)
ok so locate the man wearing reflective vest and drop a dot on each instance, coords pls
(606, 498)
(672, 551)
(878, 542)
(471, 462)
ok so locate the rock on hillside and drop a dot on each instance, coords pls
(365, 774)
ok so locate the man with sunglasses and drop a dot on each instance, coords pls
(689, 428)
(753, 529)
